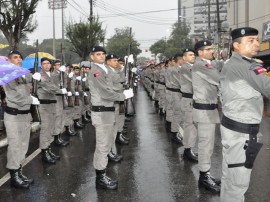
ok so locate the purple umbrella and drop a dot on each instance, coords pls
(9, 72)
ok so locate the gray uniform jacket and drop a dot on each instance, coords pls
(168, 77)
(186, 78)
(175, 77)
(18, 94)
(205, 82)
(242, 82)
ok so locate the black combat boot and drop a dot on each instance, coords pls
(168, 126)
(127, 119)
(46, 157)
(24, 178)
(77, 124)
(206, 181)
(161, 111)
(16, 181)
(69, 131)
(125, 137)
(54, 156)
(176, 139)
(85, 119)
(188, 154)
(58, 141)
(104, 182)
(125, 127)
(156, 103)
(120, 139)
(115, 157)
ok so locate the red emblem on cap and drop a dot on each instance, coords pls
(97, 74)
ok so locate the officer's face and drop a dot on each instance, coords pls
(189, 57)
(57, 66)
(46, 66)
(249, 46)
(179, 62)
(206, 53)
(113, 63)
(77, 71)
(120, 64)
(86, 70)
(98, 57)
(15, 59)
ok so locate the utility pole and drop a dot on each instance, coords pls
(247, 13)
(57, 4)
(91, 10)
(209, 20)
(179, 10)
(218, 26)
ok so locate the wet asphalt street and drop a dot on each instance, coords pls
(153, 169)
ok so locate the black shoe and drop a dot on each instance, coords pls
(58, 141)
(161, 112)
(156, 103)
(77, 124)
(127, 119)
(88, 114)
(24, 178)
(125, 137)
(188, 154)
(46, 157)
(176, 139)
(54, 156)
(104, 182)
(120, 139)
(208, 183)
(125, 127)
(130, 115)
(85, 119)
(115, 157)
(69, 131)
(16, 181)
(168, 125)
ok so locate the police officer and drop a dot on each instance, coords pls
(205, 82)
(190, 130)
(17, 120)
(58, 79)
(103, 114)
(243, 81)
(161, 88)
(46, 92)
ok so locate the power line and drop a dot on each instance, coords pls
(77, 9)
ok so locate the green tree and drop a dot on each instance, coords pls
(118, 44)
(84, 35)
(142, 60)
(16, 20)
(158, 48)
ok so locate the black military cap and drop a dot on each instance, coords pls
(178, 55)
(188, 50)
(121, 60)
(13, 52)
(111, 56)
(200, 44)
(244, 31)
(45, 59)
(98, 49)
(57, 61)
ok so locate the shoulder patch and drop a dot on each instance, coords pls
(97, 74)
(209, 65)
(257, 68)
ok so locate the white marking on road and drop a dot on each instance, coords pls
(4, 179)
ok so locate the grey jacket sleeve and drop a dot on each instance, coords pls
(210, 74)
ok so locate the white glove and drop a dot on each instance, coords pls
(77, 94)
(70, 75)
(79, 78)
(62, 68)
(69, 94)
(64, 91)
(35, 101)
(84, 79)
(135, 84)
(36, 76)
(85, 94)
(128, 93)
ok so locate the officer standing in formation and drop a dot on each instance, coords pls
(17, 120)
(103, 97)
(243, 81)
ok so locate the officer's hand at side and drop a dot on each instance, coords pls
(35, 101)
(85, 94)
(36, 76)
(79, 78)
(69, 94)
(64, 91)
(84, 79)
(128, 94)
(62, 68)
(77, 94)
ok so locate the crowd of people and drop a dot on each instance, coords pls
(189, 88)
(65, 98)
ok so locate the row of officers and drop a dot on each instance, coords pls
(187, 89)
(67, 97)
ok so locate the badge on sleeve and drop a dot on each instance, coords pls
(208, 65)
(97, 74)
(257, 68)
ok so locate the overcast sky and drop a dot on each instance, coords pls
(148, 28)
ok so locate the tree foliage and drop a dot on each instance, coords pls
(118, 44)
(16, 20)
(84, 35)
(177, 42)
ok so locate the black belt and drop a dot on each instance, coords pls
(205, 106)
(239, 127)
(187, 95)
(14, 111)
(59, 94)
(102, 109)
(174, 89)
(122, 82)
(162, 83)
(47, 101)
